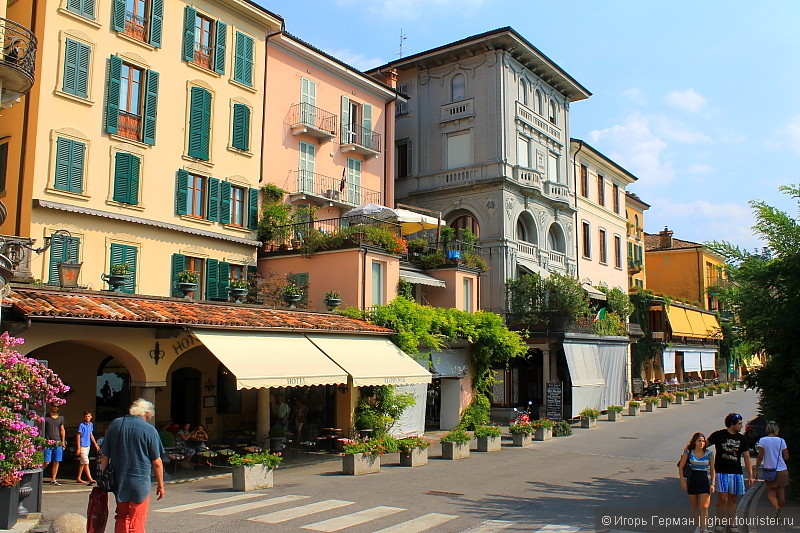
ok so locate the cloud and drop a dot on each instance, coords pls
(688, 100)
(703, 221)
(791, 134)
(634, 96)
(676, 131)
(700, 168)
(355, 59)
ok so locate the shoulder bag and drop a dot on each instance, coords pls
(687, 467)
(107, 479)
(771, 474)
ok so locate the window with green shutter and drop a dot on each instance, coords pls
(204, 40)
(243, 59)
(217, 279)
(62, 248)
(70, 157)
(125, 254)
(76, 68)
(131, 101)
(126, 178)
(252, 209)
(213, 200)
(240, 137)
(199, 123)
(84, 8)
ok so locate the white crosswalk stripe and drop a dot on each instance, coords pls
(489, 526)
(354, 519)
(207, 503)
(298, 512)
(254, 505)
(420, 523)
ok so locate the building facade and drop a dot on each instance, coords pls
(634, 214)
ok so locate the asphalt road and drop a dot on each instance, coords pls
(556, 485)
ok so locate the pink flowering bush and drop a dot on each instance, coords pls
(26, 387)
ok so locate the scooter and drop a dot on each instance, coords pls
(522, 416)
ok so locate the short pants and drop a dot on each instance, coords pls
(53, 453)
(83, 455)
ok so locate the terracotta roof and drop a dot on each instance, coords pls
(652, 243)
(125, 309)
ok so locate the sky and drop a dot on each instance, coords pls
(697, 99)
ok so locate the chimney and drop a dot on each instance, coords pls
(665, 238)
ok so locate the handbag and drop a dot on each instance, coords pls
(687, 467)
(769, 474)
(107, 479)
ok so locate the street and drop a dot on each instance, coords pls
(550, 486)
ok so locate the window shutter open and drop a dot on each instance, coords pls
(241, 127)
(225, 202)
(122, 253)
(118, 17)
(3, 165)
(122, 177)
(199, 123)
(112, 94)
(243, 59)
(220, 38)
(213, 199)
(178, 265)
(212, 279)
(366, 123)
(345, 134)
(156, 22)
(182, 192)
(252, 272)
(150, 108)
(189, 18)
(223, 279)
(252, 209)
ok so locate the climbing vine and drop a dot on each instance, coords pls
(646, 348)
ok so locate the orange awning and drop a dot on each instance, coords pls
(679, 322)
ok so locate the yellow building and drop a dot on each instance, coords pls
(683, 270)
(634, 215)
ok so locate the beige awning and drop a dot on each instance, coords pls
(594, 294)
(420, 278)
(271, 359)
(412, 222)
(371, 360)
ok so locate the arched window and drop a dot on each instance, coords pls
(526, 229)
(522, 233)
(468, 222)
(113, 390)
(552, 114)
(556, 240)
(522, 97)
(458, 87)
(539, 102)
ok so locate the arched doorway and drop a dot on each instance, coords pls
(112, 390)
(185, 396)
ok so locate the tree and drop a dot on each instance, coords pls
(764, 294)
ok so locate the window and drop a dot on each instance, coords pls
(522, 97)
(458, 87)
(125, 254)
(126, 178)
(243, 59)
(132, 101)
(237, 273)
(197, 196)
(553, 114)
(139, 19)
(467, 295)
(229, 400)
(402, 107)
(357, 124)
(76, 68)
(199, 123)
(601, 190)
(62, 248)
(466, 222)
(240, 126)
(353, 181)
(377, 283)
(403, 158)
(186, 263)
(238, 205)
(539, 102)
(70, 157)
(603, 246)
(587, 243)
(523, 152)
(305, 174)
(553, 174)
(615, 197)
(522, 231)
(204, 40)
(459, 149)
(84, 8)
(3, 165)
(301, 280)
(584, 181)
(617, 251)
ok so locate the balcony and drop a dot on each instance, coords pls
(310, 185)
(634, 266)
(315, 236)
(135, 26)
(129, 125)
(202, 55)
(527, 178)
(307, 119)
(527, 116)
(17, 60)
(360, 140)
(457, 110)
(557, 191)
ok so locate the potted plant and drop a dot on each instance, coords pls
(254, 471)
(691, 394)
(701, 392)
(291, 294)
(589, 417)
(119, 273)
(633, 408)
(413, 450)
(680, 396)
(488, 438)
(666, 399)
(520, 433)
(649, 402)
(238, 290)
(710, 390)
(542, 429)
(615, 412)
(364, 456)
(734, 385)
(333, 299)
(455, 444)
(186, 282)
(561, 428)
(277, 435)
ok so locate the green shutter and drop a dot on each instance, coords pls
(156, 22)
(225, 202)
(126, 178)
(199, 123)
(112, 94)
(243, 59)
(252, 271)
(252, 209)
(88, 9)
(345, 137)
(76, 68)
(62, 248)
(213, 200)
(76, 166)
(241, 127)
(212, 279)
(85, 8)
(150, 107)
(3, 165)
(220, 38)
(189, 19)
(69, 165)
(224, 279)
(366, 123)
(118, 16)
(182, 192)
(122, 253)
(178, 265)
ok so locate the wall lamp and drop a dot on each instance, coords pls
(157, 353)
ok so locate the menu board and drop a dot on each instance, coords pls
(555, 400)
(638, 387)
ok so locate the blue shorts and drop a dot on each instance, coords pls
(730, 483)
(53, 453)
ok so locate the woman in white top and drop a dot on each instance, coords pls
(772, 453)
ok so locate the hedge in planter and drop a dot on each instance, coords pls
(649, 402)
(364, 456)
(543, 429)
(455, 445)
(413, 451)
(254, 471)
(633, 408)
(520, 433)
(615, 412)
(589, 417)
(488, 438)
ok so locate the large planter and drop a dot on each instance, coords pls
(701, 394)
(678, 400)
(488, 444)
(186, 289)
(588, 422)
(520, 439)
(710, 393)
(543, 434)
(332, 303)
(357, 464)
(291, 299)
(9, 502)
(253, 477)
(30, 492)
(648, 408)
(734, 386)
(454, 451)
(613, 416)
(115, 281)
(665, 404)
(238, 295)
(276, 444)
(633, 410)
(692, 396)
(415, 457)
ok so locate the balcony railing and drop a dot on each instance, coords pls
(18, 58)
(556, 191)
(526, 176)
(334, 189)
(360, 140)
(306, 118)
(457, 110)
(135, 26)
(526, 115)
(334, 233)
(634, 266)
(129, 125)
(441, 254)
(202, 55)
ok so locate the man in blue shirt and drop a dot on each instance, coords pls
(84, 440)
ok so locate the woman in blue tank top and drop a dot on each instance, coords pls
(697, 484)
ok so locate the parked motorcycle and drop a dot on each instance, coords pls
(522, 416)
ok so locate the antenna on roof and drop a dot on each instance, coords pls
(403, 37)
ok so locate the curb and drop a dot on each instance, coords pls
(24, 525)
(747, 506)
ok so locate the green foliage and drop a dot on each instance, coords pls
(651, 400)
(611, 324)
(383, 238)
(277, 431)
(618, 302)
(562, 429)
(520, 428)
(476, 414)
(405, 289)
(588, 412)
(459, 436)
(646, 348)
(634, 403)
(473, 260)
(413, 443)
(273, 221)
(543, 423)
(615, 408)
(435, 259)
(270, 460)
(447, 236)
(333, 295)
(372, 447)
(681, 394)
(417, 246)
(238, 284)
(487, 431)
(187, 276)
(120, 269)
(272, 193)
(532, 298)
(380, 407)
(292, 289)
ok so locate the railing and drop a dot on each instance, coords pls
(457, 110)
(457, 176)
(453, 252)
(332, 233)
(202, 55)
(353, 134)
(19, 52)
(305, 114)
(336, 189)
(559, 258)
(526, 176)
(527, 115)
(527, 249)
(556, 190)
(135, 25)
(634, 265)
(129, 125)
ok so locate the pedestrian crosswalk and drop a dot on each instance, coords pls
(305, 514)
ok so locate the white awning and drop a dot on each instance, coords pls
(271, 359)
(593, 293)
(668, 362)
(707, 361)
(585, 375)
(450, 363)
(420, 278)
(691, 361)
(371, 360)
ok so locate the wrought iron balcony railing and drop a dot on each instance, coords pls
(306, 118)
(18, 57)
(334, 189)
(360, 139)
(135, 25)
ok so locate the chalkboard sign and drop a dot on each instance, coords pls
(638, 387)
(555, 400)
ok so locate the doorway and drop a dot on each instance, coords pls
(185, 396)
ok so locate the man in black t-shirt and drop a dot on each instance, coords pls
(730, 445)
(55, 434)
